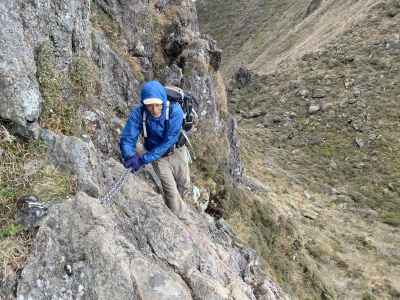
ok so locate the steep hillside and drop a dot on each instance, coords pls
(263, 34)
(318, 112)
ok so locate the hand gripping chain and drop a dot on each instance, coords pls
(107, 199)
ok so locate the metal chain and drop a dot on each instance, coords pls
(107, 199)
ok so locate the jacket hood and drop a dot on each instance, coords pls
(153, 89)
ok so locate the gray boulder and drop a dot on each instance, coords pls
(20, 99)
(76, 156)
(137, 249)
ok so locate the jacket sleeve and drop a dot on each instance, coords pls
(170, 138)
(130, 134)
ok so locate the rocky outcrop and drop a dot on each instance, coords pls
(137, 249)
(243, 76)
(235, 164)
(20, 99)
(25, 27)
(77, 157)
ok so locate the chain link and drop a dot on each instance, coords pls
(107, 199)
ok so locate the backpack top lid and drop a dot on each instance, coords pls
(175, 93)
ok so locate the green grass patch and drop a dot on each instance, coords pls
(277, 241)
(6, 192)
(10, 230)
(392, 218)
(51, 184)
(59, 114)
(327, 151)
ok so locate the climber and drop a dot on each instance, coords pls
(160, 123)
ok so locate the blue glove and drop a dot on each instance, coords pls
(134, 163)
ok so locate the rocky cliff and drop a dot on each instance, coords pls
(135, 249)
(69, 75)
(317, 103)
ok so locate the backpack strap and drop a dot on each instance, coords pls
(167, 115)
(167, 112)
(144, 118)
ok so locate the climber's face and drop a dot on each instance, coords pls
(154, 109)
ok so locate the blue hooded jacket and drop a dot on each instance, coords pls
(160, 136)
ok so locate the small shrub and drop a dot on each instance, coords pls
(136, 68)
(211, 153)
(368, 296)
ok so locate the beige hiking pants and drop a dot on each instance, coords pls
(173, 171)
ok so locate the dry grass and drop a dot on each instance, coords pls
(13, 252)
(221, 96)
(24, 171)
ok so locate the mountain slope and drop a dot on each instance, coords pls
(319, 119)
(262, 34)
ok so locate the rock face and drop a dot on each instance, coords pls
(25, 26)
(20, 98)
(137, 249)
